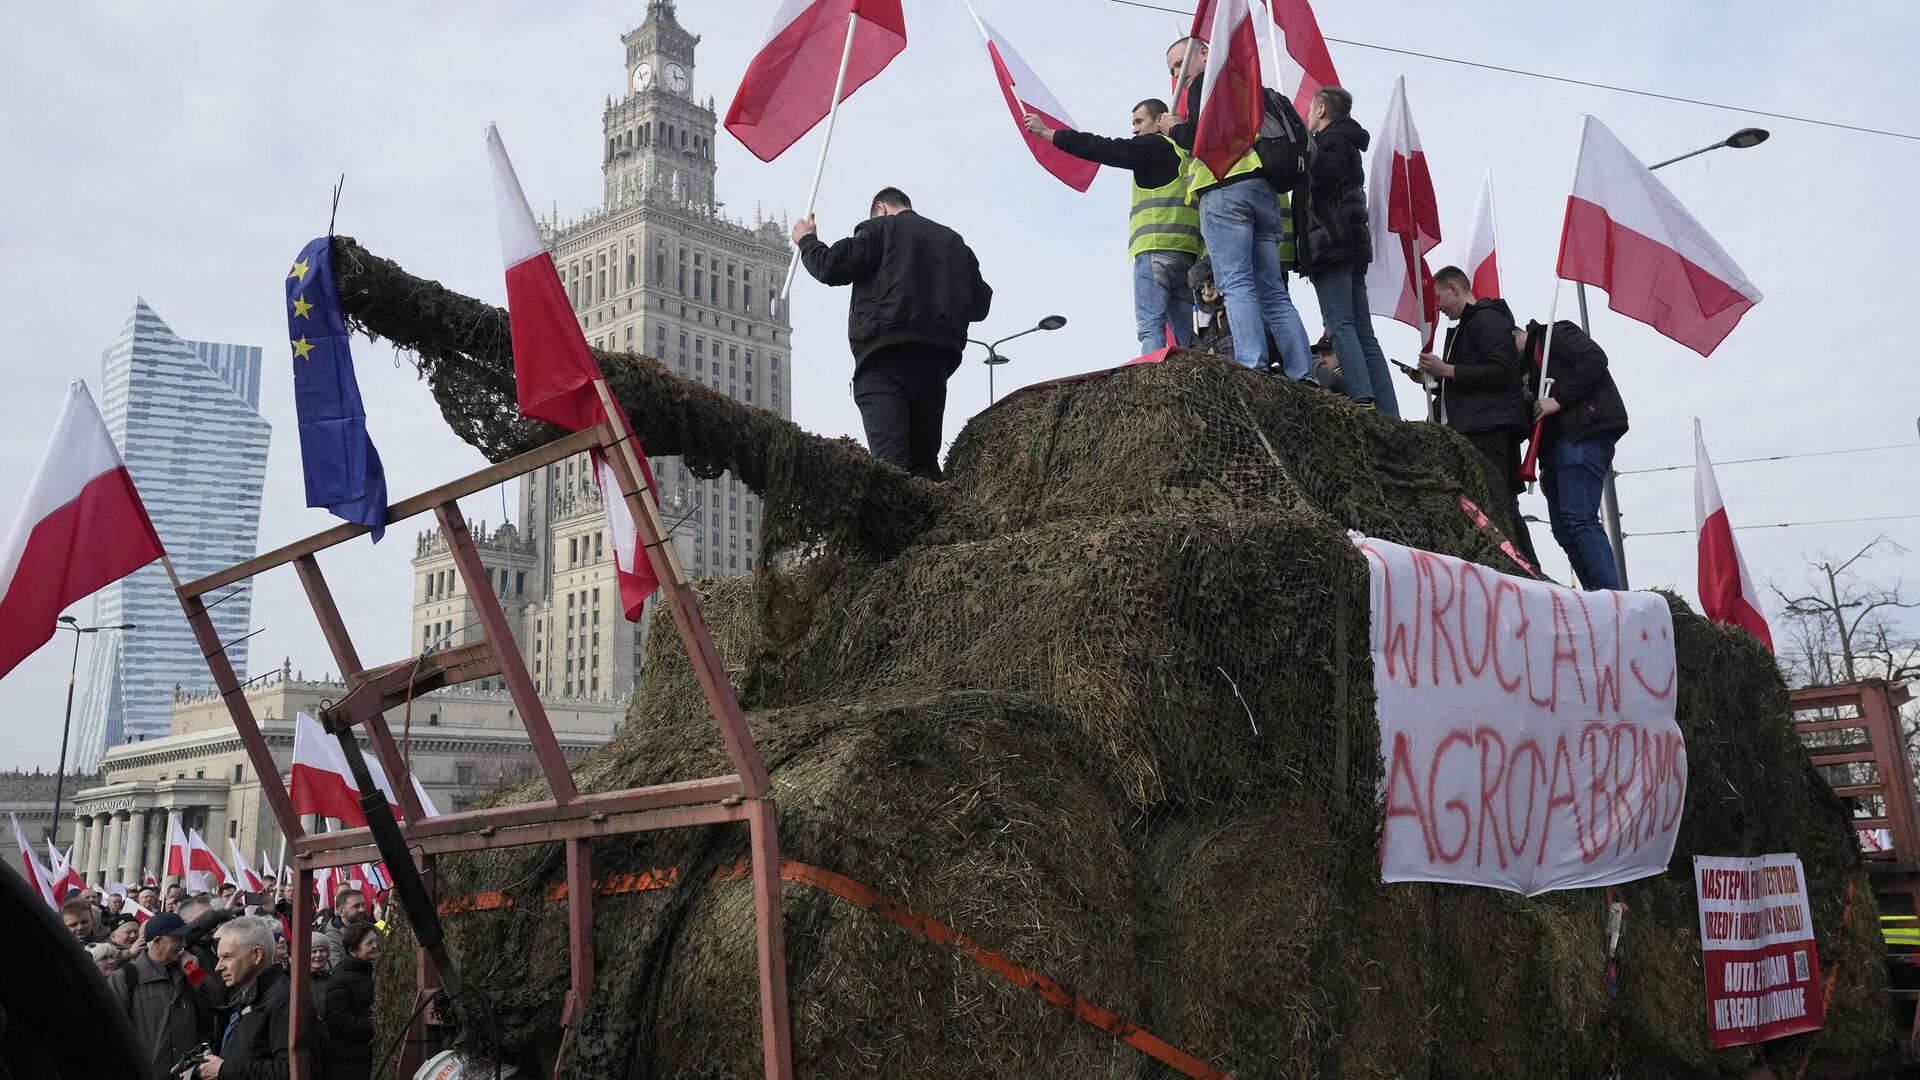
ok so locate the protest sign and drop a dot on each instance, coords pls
(1756, 931)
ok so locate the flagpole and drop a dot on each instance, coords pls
(819, 170)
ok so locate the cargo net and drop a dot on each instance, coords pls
(1076, 766)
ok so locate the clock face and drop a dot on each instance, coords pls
(643, 78)
(676, 77)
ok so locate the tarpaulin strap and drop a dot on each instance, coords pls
(1833, 977)
(1480, 518)
(644, 881)
(1616, 926)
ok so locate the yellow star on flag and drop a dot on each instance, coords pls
(301, 307)
(299, 270)
(301, 348)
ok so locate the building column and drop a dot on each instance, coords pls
(82, 840)
(109, 860)
(142, 843)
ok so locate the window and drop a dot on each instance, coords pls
(569, 604)
(596, 684)
(238, 772)
(630, 268)
(596, 598)
(629, 338)
(520, 583)
(233, 829)
(573, 553)
(699, 346)
(463, 773)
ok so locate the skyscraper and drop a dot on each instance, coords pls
(186, 416)
(657, 270)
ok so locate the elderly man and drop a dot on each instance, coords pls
(255, 1043)
(170, 1017)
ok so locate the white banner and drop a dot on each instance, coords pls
(1527, 729)
(1757, 948)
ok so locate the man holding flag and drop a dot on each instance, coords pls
(1163, 229)
(1335, 246)
(1581, 419)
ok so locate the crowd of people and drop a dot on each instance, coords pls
(1213, 258)
(205, 979)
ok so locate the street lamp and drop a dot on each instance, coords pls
(1610, 496)
(68, 622)
(994, 359)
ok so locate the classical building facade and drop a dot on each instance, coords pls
(28, 798)
(462, 743)
(186, 417)
(657, 270)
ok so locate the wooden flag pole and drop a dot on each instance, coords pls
(819, 170)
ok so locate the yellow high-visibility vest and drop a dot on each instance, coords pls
(1163, 219)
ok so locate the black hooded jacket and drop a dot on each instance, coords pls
(914, 280)
(1589, 402)
(1333, 199)
(1484, 393)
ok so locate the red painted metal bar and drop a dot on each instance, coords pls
(303, 1005)
(679, 817)
(776, 1036)
(579, 943)
(678, 596)
(513, 667)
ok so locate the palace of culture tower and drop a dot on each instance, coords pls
(656, 270)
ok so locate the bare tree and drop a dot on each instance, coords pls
(1842, 625)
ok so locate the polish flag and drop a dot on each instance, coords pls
(1026, 93)
(176, 866)
(1232, 102)
(81, 527)
(1305, 63)
(1483, 246)
(140, 914)
(267, 872)
(31, 869)
(202, 860)
(1627, 234)
(116, 888)
(553, 370)
(1726, 590)
(322, 783)
(61, 875)
(1404, 219)
(147, 878)
(248, 881)
(788, 86)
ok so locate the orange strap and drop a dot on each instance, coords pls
(925, 926)
(1826, 996)
(1480, 518)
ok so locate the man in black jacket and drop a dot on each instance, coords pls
(254, 1042)
(1163, 230)
(1480, 390)
(1335, 246)
(916, 289)
(1582, 417)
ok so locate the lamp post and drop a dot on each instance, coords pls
(1609, 495)
(68, 622)
(994, 359)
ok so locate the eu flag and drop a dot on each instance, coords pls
(342, 468)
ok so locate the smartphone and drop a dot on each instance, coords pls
(1408, 368)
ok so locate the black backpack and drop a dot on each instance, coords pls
(1282, 142)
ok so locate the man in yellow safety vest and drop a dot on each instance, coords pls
(1163, 229)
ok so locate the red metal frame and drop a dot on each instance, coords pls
(568, 817)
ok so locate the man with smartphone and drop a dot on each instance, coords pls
(1480, 390)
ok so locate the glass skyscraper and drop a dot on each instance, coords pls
(186, 416)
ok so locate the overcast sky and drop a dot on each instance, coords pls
(184, 153)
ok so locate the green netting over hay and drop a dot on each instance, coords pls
(1103, 704)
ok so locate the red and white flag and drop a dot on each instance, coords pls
(1232, 102)
(177, 863)
(1627, 234)
(322, 783)
(1726, 590)
(81, 527)
(1404, 218)
(202, 860)
(30, 867)
(553, 371)
(267, 873)
(147, 878)
(61, 875)
(140, 914)
(1483, 246)
(788, 86)
(248, 880)
(1025, 93)
(1305, 64)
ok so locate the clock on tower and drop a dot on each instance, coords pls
(659, 138)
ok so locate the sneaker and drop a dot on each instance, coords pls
(1365, 403)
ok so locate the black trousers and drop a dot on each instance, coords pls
(1502, 451)
(902, 394)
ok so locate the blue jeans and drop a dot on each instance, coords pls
(1162, 298)
(1242, 226)
(1342, 288)
(1576, 470)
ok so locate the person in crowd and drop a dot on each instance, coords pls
(1248, 230)
(1163, 229)
(202, 959)
(82, 920)
(116, 903)
(1581, 419)
(349, 906)
(175, 895)
(108, 957)
(1480, 388)
(169, 1015)
(319, 965)
(1335, 246)
(149, 898)
(255, 1040)
(125, 933)
(225, 900)
(916, 289)
(349, 1007)
(1326, 366)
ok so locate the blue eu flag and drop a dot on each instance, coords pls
(342, 468)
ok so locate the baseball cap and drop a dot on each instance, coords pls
(165, 924)
(1323, 346)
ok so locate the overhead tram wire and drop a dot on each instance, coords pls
(1573, 82)
(1788, 524)
(1769, 457)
